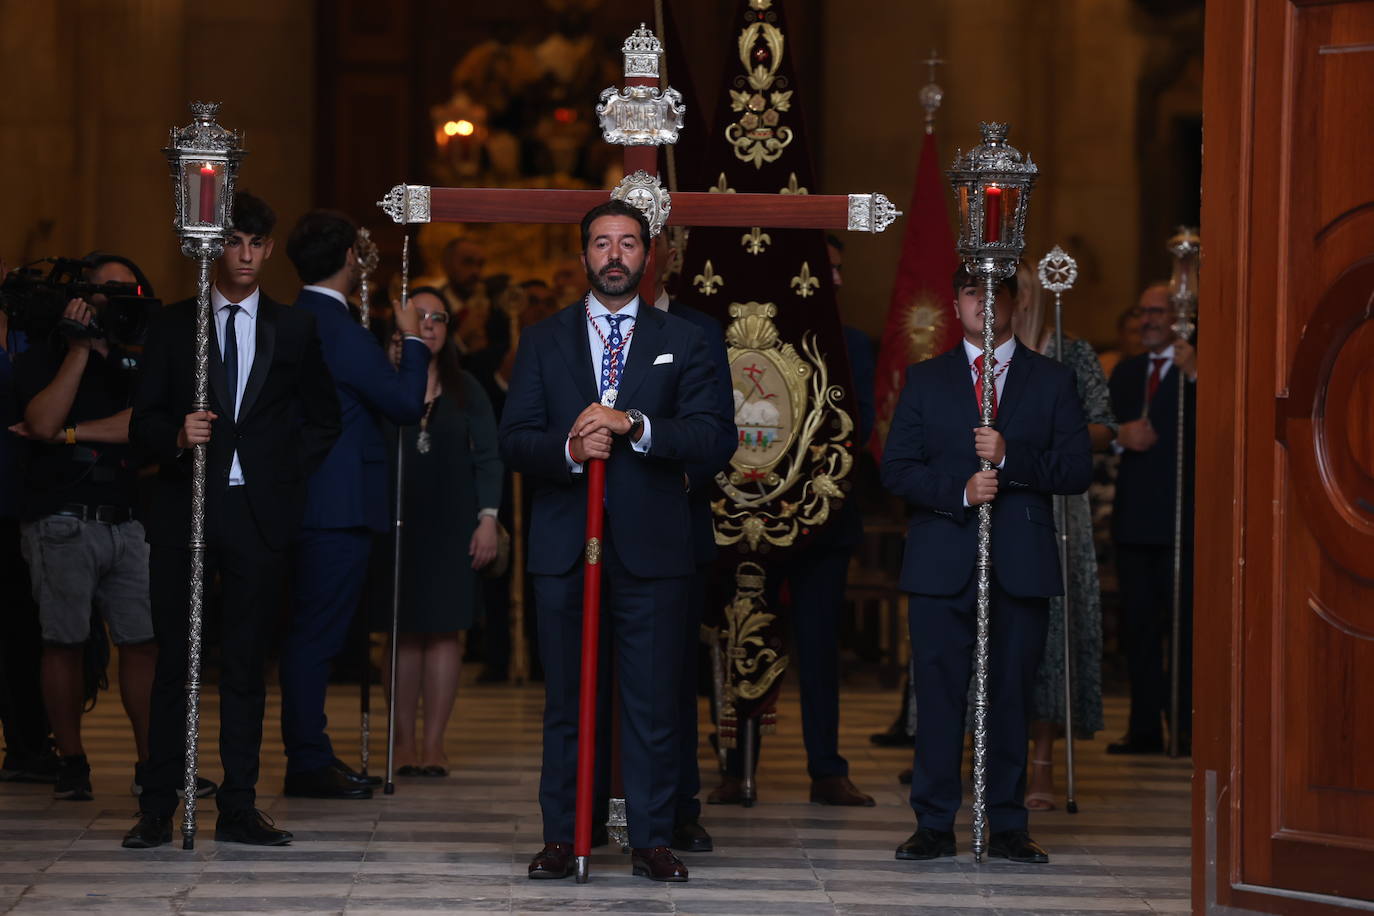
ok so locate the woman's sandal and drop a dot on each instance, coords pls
(1040, 801)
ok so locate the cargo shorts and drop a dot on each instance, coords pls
(75, 565)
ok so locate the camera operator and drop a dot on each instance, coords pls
(28, 752)
(84, 547)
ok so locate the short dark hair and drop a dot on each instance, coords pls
(614, 208)
(962, 278)
(251, 215)
(319, 244)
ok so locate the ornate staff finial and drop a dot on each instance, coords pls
(931, 94)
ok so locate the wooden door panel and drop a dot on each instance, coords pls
(1288, 360)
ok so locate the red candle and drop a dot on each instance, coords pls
(207, 193)
(992, 214)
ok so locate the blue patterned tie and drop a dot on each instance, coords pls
(231, 359)
(610, 354)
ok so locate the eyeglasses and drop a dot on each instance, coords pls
(436, 317)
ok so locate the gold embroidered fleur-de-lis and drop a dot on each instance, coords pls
(755, 240)
(721, 186)
(792, 186)
(708, 280)
(805, 284)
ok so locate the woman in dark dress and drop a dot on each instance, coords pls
(452, 490)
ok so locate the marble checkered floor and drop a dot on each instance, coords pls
(461, 844)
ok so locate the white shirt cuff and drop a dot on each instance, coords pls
(573, 464)
(646, 439)
(487, 513)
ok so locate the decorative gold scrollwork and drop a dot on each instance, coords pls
(759, 136)
(593, 551)
(794, 449)
(722, 186)
(793, 187)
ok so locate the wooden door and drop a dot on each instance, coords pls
(1284, 729)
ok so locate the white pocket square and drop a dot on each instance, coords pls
(663, 358)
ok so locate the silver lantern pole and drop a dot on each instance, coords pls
(368, 258)
(992, 185)
(204, 159)
(389, 787)
(1186, 247)
(1058, 272)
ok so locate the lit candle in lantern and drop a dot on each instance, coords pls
(207, 193)
(992, 214)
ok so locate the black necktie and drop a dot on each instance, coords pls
(231, 359)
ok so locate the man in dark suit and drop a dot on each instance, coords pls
(272, 418)
(1038, 447)
(347, 498)
(1144, 388)
(688, 834)
(656, 370)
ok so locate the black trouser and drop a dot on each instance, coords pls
(250, 574)
(21, 706)
(943, 640)
(1145, 573)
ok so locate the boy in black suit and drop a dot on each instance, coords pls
(272, 419)
(1038, 447)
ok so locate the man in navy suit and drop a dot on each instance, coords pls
(347, 499)
(1145, 389)
(611, 378)
(1038, 447)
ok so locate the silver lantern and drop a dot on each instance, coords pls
(992, 185)
(204, 158)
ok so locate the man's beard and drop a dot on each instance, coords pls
(607, 286)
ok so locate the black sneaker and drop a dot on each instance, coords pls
(73, 779)
(204, 787)
(19, 767)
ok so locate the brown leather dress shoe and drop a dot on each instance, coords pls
(729, 792)
(555, 860)
(658, 863)
(838, 790)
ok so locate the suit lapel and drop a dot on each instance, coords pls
(217, 380)
(1018, 378)
(961, 381)
(262, 358)
(577, 352)
(645, 347)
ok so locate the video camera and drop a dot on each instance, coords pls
(35, 302)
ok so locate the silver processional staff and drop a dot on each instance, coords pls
(992, 185)
(204, 158)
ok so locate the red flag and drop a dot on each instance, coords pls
(920, 318)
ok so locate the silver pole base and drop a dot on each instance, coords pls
(977, 857)
(583, 869)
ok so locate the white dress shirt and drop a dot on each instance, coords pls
(246, 333)
(597, 328)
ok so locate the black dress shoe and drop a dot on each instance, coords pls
(249, 826)
(904, 777)
(838, 790)
(893, 737)
(690, 836)
(1017, 846)
(326, 782)
(927, 843)
(1131, 744)
(555, 860)
(659, 864)
(151, 830)
(356, 777)
(409, 770)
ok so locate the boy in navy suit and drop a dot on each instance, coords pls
(1038, 447)
(347, 498)
(656, 370)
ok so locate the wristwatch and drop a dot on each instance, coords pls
(636, 421)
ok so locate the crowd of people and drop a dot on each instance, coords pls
(308, 409)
